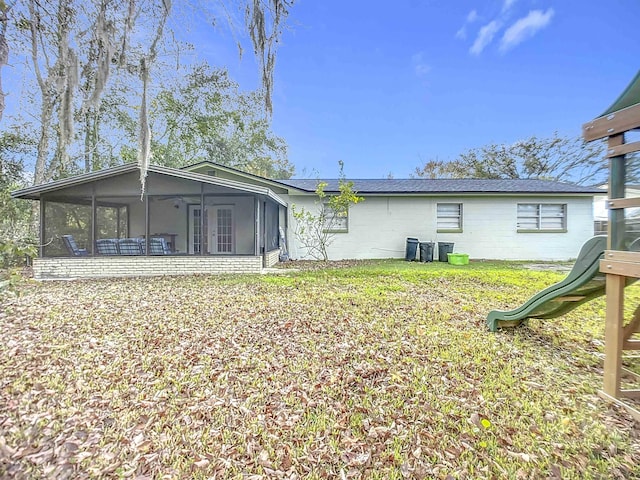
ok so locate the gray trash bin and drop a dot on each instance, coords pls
(426, 251)
(412, 247)
(443, 249)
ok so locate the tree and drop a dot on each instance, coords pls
(72, 47)
(204, 116)
(16, 237)
(437, 168)
(4, 48)
(79, 50)
(555, 158)
(316, 231)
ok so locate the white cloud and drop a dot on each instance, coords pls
(472, 16)
(525, 28)
(420, 66)
(507, 5)
(485, 37)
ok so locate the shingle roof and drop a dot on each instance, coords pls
(432, 186)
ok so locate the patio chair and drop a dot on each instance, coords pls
(107, 246)
(130, 246)
(158, 246)
(72, 247)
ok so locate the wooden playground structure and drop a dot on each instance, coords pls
(620, 265)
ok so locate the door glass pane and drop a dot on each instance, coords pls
(225, 231)
(197, 247)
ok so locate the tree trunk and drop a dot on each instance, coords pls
(43, 143)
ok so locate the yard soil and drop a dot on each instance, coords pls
(356, 370)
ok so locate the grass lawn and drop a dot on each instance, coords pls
(374, 370)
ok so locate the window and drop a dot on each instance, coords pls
(335, 221)
(542, 217)
(449, 217)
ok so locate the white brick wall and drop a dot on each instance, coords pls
(271, 258)
(379, 227)
(90, 267)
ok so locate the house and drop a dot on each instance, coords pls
(99, 224)
(491, 219)
(601, 212)
(209, 218)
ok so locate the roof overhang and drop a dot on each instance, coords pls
(240, 173)
(35, 192)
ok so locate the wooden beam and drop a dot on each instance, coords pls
(615, 141)
(623, 149)
(629, 374)
(631, 410)
(631, 345)
(623, 202)
(613, 335)
(625, 269)
(612, 124)
(622, 256)
(632, 326)
(630, 393)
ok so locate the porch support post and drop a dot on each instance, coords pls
(147, 216)
(613, 335)
(256, 214)
(263, 228)
(92, 237)
(42, 239)
(201, 219)
(616, 190)
(118, 222)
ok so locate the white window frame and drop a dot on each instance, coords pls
(335, 223)
(446, 216)
(541, 217)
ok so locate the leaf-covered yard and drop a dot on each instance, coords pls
(374, 370)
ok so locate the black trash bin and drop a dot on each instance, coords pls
(443, 249)
(412, 247)
(426, 251)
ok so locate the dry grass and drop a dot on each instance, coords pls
(373, 370)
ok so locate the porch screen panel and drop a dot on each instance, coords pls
(111, 222)
(271, 224)
(62, 218)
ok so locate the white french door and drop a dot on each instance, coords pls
(219, 229)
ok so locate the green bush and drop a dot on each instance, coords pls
(14, 253)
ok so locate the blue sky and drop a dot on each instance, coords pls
(384, 86)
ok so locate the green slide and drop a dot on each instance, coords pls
(584, 283)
